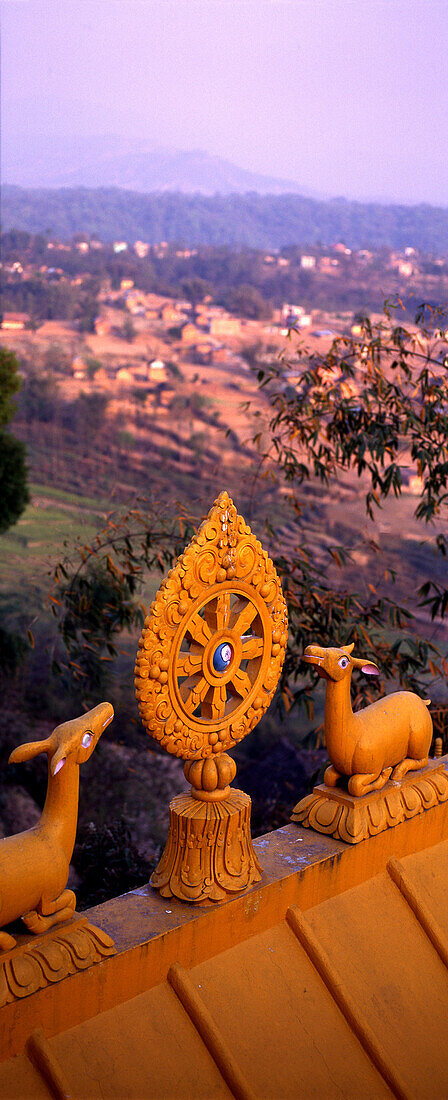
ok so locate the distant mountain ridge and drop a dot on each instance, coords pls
(134, 165)
(249, 220)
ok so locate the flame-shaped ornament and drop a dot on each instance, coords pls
(208, 663)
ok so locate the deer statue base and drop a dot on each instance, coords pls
(332, 810)
(209, 855)
(35, 963)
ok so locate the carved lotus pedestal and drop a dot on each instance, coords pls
(337, 813)
(209, 855)
(37, 962)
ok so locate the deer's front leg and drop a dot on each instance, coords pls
(51, 912)
(363, 784)
(408, 765)
(332, 776)
(6, 941)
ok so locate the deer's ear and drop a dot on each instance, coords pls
(27, 752)
(369, 669)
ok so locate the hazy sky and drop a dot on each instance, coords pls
(348, 97)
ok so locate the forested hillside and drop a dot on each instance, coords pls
(257, 221)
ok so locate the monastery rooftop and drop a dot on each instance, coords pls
(326, 979)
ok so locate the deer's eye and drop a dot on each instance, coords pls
(343, 662)
(87, 740)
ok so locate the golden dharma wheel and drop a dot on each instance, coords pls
(212, 648)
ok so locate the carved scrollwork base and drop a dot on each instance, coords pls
(209, 855)
(50, 958)
(339, 814)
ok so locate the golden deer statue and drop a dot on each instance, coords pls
(384, 740)
(34, 865)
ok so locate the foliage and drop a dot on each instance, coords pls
(13, 480)
(128, 330)
(95, 590)
(92, 365)
(38, 397)
(246, 301)
(57, 358)
(256, 221)
(108, 862)
(13, 471)
(13, 649)
(373, 407)
(195, 289)
(225, 269)
(86, 310)
(376, 406)
(9, 385)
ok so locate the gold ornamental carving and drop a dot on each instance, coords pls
(208, 663)
(52, 957)
(210, 852)
(350, 818)
(34, 865)
(368, 785)
(385, 740)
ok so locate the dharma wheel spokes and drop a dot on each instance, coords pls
(219, 657)
(208, 663)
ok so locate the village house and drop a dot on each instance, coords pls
(14, 269)
(308, 262)
(220, 354)
(102, 379)
(405, 269)
(170, 315)
(202, 320)
(226, 326)
(141, 249)
(58, 246)
(202, 352)
(209, 352)
(124, 377)
(328, 265)
(15, 322)
(79, 367)
(157, 371)
(102, 326)
(135, 300)
(290, 310)
(139, 371)
(190, 333)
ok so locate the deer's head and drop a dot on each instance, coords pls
(337, 663)
(75, 740)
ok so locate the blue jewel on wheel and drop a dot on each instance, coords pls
(222, 657)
